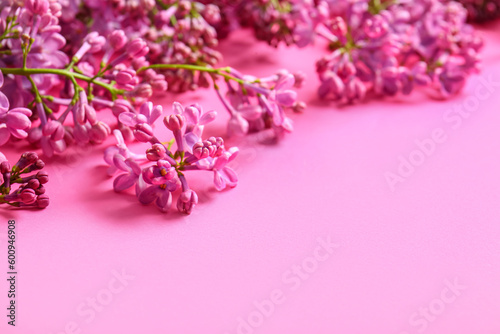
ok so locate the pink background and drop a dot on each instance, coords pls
(398, 250)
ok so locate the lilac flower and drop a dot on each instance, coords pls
(195, 120)
(142, 123)
(129, 178)
(224, 176)
(186, 201)
(159, 194)
(391, 48)
(119, 149)
(13, 122)
(160, 173)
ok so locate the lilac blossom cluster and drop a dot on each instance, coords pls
(376, 47)
(115, 66)
(34, 66)
(259, 104)
(176, 32)
(388, 48)
(159, 174)
(22, 185)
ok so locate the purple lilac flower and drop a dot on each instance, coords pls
(14, 122)
(392, 48)
(160, 173)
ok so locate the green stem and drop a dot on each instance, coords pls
(223, 71)
(63, 72)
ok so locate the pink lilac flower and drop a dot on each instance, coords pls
(14, 122)
(162, 172)
(392, 48)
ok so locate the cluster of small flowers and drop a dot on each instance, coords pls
(377, 47)
(258, 104)
(273, 21)
(27, 174)
(290, 22)
(176, 32)
(34, 66)
(481, 10)
(159, 173)
(389, 48)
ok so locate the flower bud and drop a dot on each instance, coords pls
(174, 122)
(27, 196)
(187, 200)
(42, 201)
(156, 152)
(117, 39)
(43, 177)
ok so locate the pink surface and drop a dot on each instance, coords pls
(421, 256)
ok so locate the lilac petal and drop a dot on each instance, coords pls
(119, 162)
(190, 138)
(287, 124)
(79, 113)
(59, 145)
(146, 109)
(54, 42)
(80, 133)
(24, 111)
(278, 115)
(50, 127)
(230, 175)
(127, 118)
(173, 185)
(219, 182)
(204, 163)
(155, 114)
(286, 98)
(17, 121)
(221, 161)
(208, 117)
(233, 153)
(164, 201)
(285, 82)
(148, 195)
(1, 79)
(134, 166)
(177, 108)
(109, 153)
(119, 137)
(237, 125)
(143, 132)
(192, 114)
(140, 186)
(250, 112)
(18, 133)
(4, 103)
(90, 114)
(4, 135)
(124, 181)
